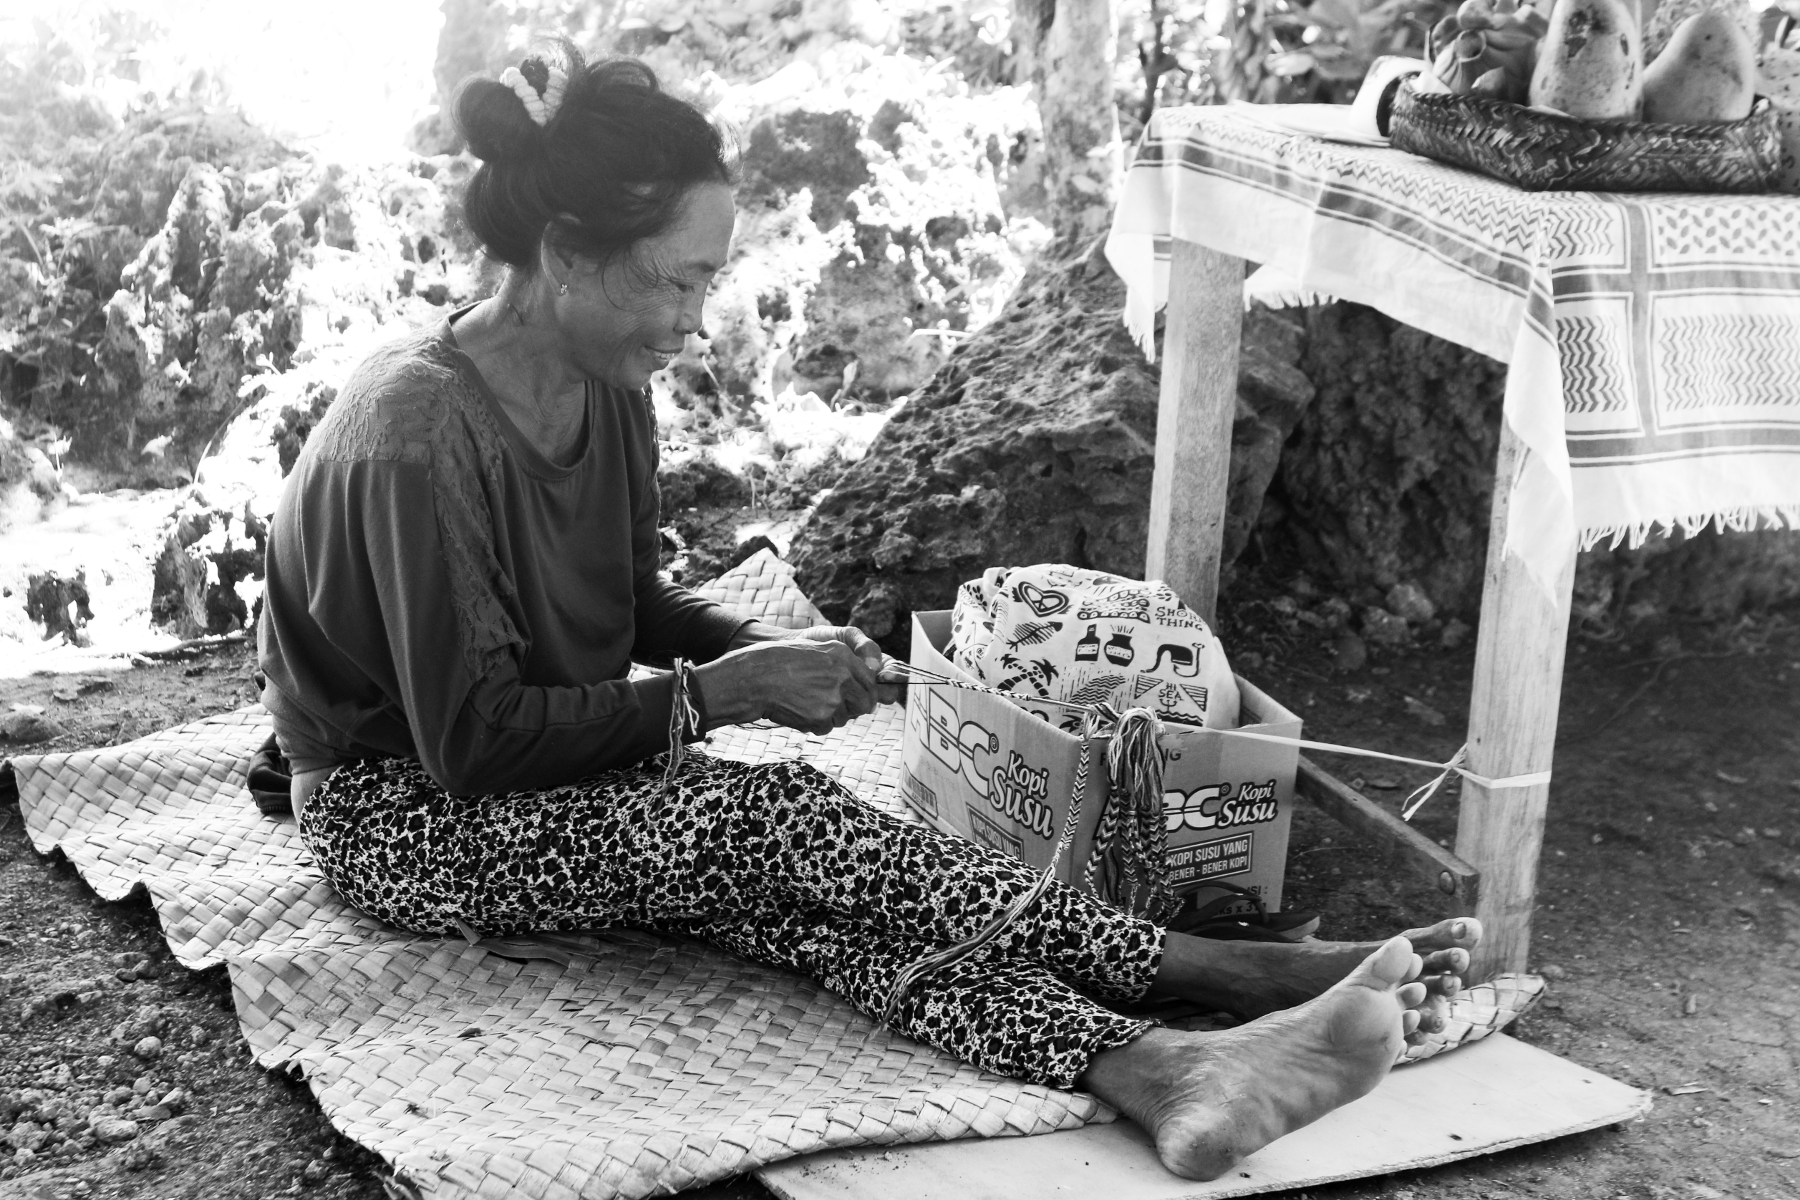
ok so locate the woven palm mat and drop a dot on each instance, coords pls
(617, 1064)
(612, 1065)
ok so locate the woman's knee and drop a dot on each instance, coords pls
(793, 794)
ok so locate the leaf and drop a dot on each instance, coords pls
(1030, 633)
(1334, 14)
(1291, 63)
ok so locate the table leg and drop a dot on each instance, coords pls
(1204, 321)
(1512, 731)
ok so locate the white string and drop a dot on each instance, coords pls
(684, 718)
(1454, 765)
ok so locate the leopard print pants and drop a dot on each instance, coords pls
(776, 862)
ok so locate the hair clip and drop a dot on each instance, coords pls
(528, 95)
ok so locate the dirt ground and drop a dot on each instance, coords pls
(1669, 924)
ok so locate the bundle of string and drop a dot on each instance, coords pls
(1131, 843)
(684, 718)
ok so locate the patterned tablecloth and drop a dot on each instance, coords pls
(1652, 341)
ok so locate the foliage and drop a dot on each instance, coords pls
(1277, 51)
(90, 156)
(60, 256)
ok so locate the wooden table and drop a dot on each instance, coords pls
(1653, 351)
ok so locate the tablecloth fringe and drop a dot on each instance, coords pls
(1742, 519)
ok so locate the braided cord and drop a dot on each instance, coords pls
(684, 720)
(1091, 724)
(1134, 764)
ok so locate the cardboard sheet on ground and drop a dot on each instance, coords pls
(1493, 1095)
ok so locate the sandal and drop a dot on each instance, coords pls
(1211, 920)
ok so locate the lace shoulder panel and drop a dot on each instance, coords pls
(419, 401)
(391, 407)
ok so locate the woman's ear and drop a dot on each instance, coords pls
(557, 263)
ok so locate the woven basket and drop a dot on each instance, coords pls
(1541, 151)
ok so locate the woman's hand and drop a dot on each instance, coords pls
(864, 647)
(814, 680)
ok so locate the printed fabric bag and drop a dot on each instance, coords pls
(1067, 634)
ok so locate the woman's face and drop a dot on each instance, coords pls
(627, 319)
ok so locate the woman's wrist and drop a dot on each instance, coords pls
(730, 695)
(752, 632)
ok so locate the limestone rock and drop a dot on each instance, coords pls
(816, 151)
(1034, 444)
(873, 233)
(111, 1131)
(60, 605)
(25, 728)
(1388, 477)
(1410, 604)
(1384, 490)
(249, 256)
(208, 554)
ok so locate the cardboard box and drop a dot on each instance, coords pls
(1001, 773)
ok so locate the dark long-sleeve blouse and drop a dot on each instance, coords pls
(438, 589)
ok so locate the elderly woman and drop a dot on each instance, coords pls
(464, 565)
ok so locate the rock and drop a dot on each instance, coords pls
(139, 1156)
(818, 152)
(237, 254)
(1389, 475)
(1454, 634)
(298, 420)
(1349, 653)
(688, 476)
(1034, 444)
(1408, 425)
(1384, 628)
(148, 1048)
(316, 1171)
(1410, 604)
(112, 1131)
(60, 605)
(120, 1096)
(147, 1020)
(207, 553)
(175, 351)
(28, 728)
(872, 237)
(1424, 713)
(176, 1127)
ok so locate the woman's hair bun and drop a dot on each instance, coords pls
(495, 123)
(623, 72)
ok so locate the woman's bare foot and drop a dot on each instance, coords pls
(1210, 1099)
(1256, 978)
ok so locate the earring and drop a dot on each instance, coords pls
(562, 289)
